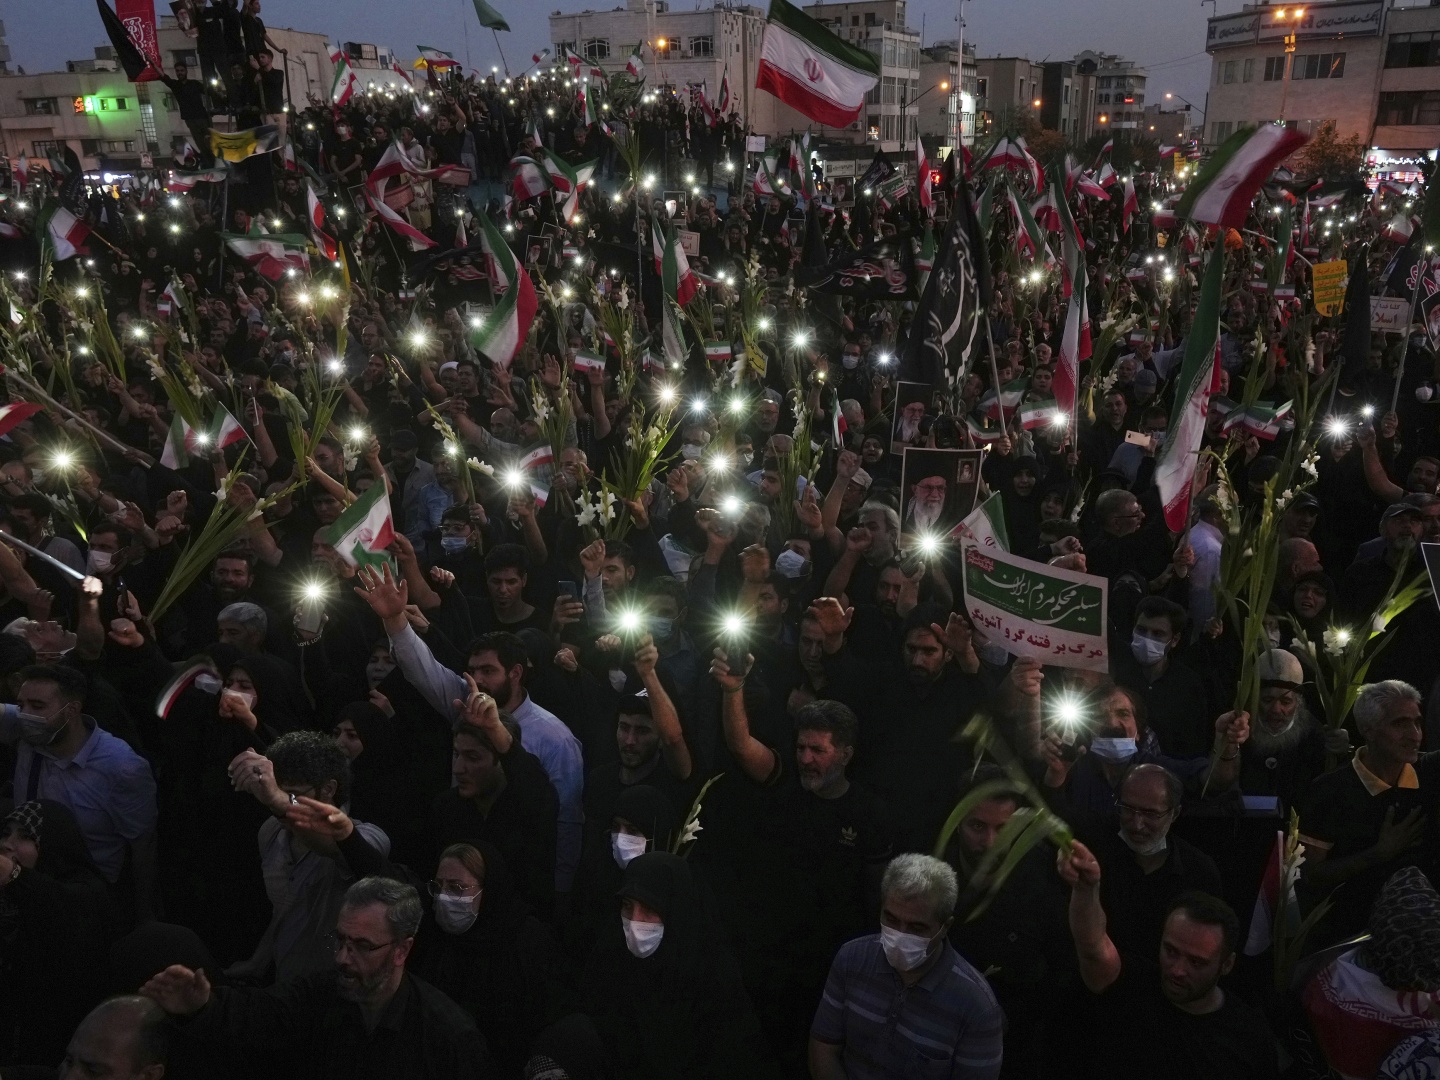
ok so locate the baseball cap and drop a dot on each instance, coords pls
(1396, 509)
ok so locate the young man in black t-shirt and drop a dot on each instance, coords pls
(1176, 1022)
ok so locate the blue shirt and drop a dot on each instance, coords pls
(107, 786)
(947, 1026)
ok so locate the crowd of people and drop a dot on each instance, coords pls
(720, 776)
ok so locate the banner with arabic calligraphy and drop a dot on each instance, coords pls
(880, 271)
(1054, 615)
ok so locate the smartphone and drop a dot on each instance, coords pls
(1139, 438)
(569, 590)
(912, 562)
(310, 614)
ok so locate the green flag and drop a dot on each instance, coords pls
(489, 17)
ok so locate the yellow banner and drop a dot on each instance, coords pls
(1328, 282)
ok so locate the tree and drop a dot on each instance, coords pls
(1329, 157)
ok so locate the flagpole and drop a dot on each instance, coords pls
(1404, 347)
(102, 435)
(503, 62)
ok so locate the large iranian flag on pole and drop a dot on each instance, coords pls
(61, 232)
(342, 87)
(672, 337)
(502, 332)
(671, 264)
(1224, 189)
(812, 69)
(361, 534)
(1175, 464)
(1074, 346)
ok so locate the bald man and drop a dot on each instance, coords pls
(125, 1038)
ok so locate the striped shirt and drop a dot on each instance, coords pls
(947, 1026)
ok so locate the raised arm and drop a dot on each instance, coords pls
(756, 759)
(662, 710)
(438, 685)
(1099, 959)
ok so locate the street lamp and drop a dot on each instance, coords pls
(1294, 18)
(914, 102)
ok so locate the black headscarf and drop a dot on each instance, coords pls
(280, 703)
(650, 811)
(572, 1045)
(376, 732)
(664, 884)
(62, 851)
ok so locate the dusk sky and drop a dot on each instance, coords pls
(1168, 36)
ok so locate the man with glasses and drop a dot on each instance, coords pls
(1135, 540)
(365, 1018)
(1144, 866)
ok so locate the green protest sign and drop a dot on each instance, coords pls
(1055, 615)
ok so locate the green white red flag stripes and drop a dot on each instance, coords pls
(61, 232)
(183, 439)
(636, 64)
(316, 214)
(812, 69)
(671, 263)
(270, 254)
(985, 527)
(364, 529)
(15, 413)
(342, 88)
(418, 240)
(439, 59)
(672, 336)
(1128, 205)
(1074, 345)
(1227, 184)
(502, 332)
(922, 178)
(1199, 373)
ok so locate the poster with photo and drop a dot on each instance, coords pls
(913, 416)
(937, 491)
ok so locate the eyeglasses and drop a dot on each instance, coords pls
(452, 888)
(1142, 813)
(360, 946)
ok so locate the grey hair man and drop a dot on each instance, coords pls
(956, 1017)
(127, 1038)
(1362, 822)
(327, 1023)
(243, 625)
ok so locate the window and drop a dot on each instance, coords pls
(702, 46)
(1412, 50)
(887, 91)
(1221, 130)
(887, 129)
(888, 57)
(1319, 66)
(1227, 73)
(113, 104)
(1105, 82)
(597, 49)
(187, 57)
(1065, 94)
(45, 148)
(1247, 71)
(873, 97)
(1274, 68)
(44, 106)
(1408, 107)
(854, 20)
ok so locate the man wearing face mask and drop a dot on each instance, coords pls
(61, 754)
(1088, 782)
(904, 998)
(1173, 695)
(1146, 866)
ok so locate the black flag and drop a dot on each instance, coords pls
(880, 169)
(130, 57)
(879, 271)
(1355, 344)
(947, 323)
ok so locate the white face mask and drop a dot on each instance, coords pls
(98, 561)
(247, 696)
(1113, 751)
(850, 360)
(642, 938)
(456, 914)
(691, 451)
(792, 564)
(625, 847)
(1155, 847)
(905, 952)
(994, 655)
(1147, 650)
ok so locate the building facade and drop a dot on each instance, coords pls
(698, 47)
(1007, 88)
(1120, 87)
(1334, 74)
(936, 105)
(1068, 100)
(116, 125)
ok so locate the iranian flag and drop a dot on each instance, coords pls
(342, 87)
(536, 468)
(1222, 193)
(418, 240)
(922, 178)
(1045, 210)
(438, 59)
(1074, 345)
(1034, 414)
(184, 440)
(636, 64)
(269, 254)
(1129, 204)
(812, 69)
(22, 172)
(671, 264)
(723, 102)
(16, 413)
(669, 258)
(365, 529)
(1107, 176)
(502, 332)
(177, 686)
(568, 179)
(1274, 893)
(980, 434)
(530, 177)
(182, 182)
(61, 232)
(316, 213)
(500, 274)
(985, 527)
(1006, 403)
(1176, 461)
